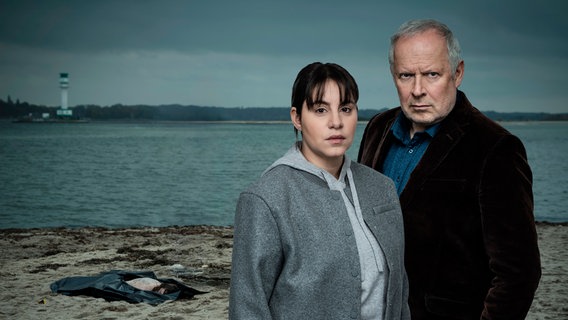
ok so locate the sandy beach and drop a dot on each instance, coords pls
(199, 256)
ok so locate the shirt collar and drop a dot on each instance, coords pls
(401, 128)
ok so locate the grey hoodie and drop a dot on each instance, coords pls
(371, 256)
(310, 246)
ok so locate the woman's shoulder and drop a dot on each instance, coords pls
(368, 176)
(364, 170)
(274, 188)
(275, 174)
(273, 179)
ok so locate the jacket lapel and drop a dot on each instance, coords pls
(451, 131)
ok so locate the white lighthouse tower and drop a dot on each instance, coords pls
(64, 85)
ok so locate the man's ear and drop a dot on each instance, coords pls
(296, 118)
(459, 74)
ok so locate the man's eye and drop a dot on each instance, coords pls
(433, 74)
(404, 76)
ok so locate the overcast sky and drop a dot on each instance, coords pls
(247, 53)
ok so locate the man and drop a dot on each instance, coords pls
(464, 183)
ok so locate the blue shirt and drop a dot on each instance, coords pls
(405, 153)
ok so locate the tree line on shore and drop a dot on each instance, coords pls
(10, 109)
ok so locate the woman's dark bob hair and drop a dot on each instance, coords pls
(310, 84)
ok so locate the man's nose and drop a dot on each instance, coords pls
(418, 88)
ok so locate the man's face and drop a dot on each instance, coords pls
(424, 80)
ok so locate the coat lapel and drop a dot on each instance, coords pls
(450, 133)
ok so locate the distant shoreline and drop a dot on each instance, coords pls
(177, 112)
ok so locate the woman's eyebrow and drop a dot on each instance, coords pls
(321, 102)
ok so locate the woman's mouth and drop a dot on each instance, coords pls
(336, 139)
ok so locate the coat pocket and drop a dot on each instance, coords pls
(390, 208)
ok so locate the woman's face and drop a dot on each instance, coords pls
(327, 129)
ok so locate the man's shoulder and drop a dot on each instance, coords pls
(475, 126)
(482, 126)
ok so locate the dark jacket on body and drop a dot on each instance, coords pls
(471, 244)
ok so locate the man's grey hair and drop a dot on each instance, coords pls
(414, 27)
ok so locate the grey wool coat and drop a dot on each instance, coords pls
(294, 252)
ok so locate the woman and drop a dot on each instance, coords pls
(319, 236)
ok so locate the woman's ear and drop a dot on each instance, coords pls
(296, 118)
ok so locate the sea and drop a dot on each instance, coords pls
(122, 174)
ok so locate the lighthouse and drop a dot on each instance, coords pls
(64, 85)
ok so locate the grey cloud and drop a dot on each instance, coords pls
(233, 53)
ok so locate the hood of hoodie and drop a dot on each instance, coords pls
(295, 159)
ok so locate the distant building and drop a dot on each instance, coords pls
(64, 85)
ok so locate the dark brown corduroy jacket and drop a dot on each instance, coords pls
(471, 244)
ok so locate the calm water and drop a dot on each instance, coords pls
(160, 174)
